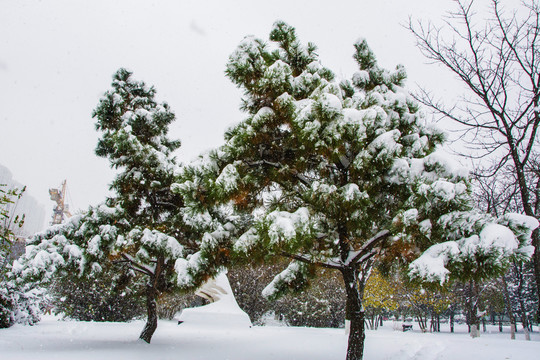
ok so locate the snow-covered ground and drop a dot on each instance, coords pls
(55, 339)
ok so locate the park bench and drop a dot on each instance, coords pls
(407, 327)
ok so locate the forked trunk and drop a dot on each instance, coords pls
(151, 309)
(355, 314)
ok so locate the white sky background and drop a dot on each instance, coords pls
(57, 59)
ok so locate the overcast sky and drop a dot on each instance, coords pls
(57, 59)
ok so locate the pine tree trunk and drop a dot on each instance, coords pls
(354, 313)
(452, 321)
(151, 309)
(474, 320)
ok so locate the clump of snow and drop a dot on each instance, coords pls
(444, 189)
(284, 225)
(154, 239)
(331, 102)
(447, 165)
(287, 276)
(185, 267)
(386, 145)
(495, 235)
(246, 241)
(410, 216)
(228, 178)
(431, 265)
(522, 220)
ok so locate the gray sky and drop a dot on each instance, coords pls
(57, 59)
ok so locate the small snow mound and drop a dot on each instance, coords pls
(223, 312)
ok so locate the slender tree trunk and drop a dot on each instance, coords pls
(474, 320)
(536, 243)
(526, 332)
(354, 313)
(422, 321)
(536, 262)
(370, 320)
(525, 321)
(534, 211)
(151, 304)
(452, 320)
(151, 309)
(509, 309)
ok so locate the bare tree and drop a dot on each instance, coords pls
(498, 60)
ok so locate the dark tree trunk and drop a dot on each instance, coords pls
(151, 295)
(472, 309)
(536, 262)
(354, 313)
(151, 309)
(452, 320)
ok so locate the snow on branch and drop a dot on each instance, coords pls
(477, 256)
(367, 247)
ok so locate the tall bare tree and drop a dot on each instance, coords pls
(498, 60)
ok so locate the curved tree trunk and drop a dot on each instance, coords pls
(152, 319)
(354, 313)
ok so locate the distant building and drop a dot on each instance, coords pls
(34, 212)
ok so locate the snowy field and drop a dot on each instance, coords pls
(55, 339)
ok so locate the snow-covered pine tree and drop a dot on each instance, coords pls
(335, 173)
(134, 138)
(143, 228)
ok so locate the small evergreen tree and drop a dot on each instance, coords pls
(144, 228)
(134, 138)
